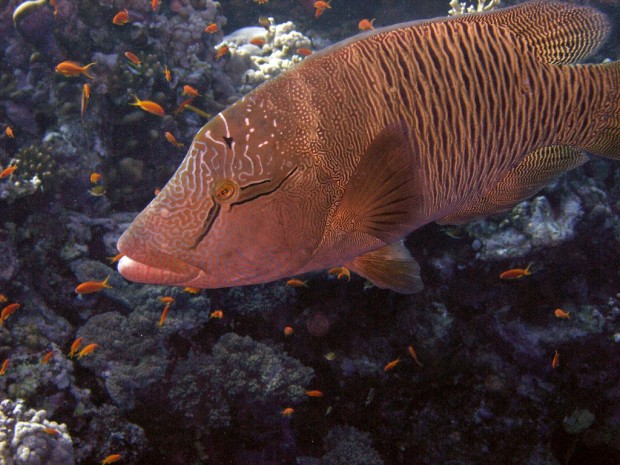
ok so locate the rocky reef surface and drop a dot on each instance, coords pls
(232, 387)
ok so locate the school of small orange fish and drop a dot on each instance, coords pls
(74, 69)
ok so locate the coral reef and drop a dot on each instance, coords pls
(346, 445)
(28, 438)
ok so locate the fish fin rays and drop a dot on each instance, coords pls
(559, 33)
(384, 197)
(390, 267)
(533, 173)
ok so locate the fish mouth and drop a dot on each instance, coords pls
(153, 267)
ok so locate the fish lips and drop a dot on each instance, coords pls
(153, 267)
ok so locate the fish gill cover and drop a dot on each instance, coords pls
(303, 189)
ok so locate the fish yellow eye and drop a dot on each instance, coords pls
(226, 191)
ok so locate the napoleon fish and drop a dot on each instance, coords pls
(336, 161)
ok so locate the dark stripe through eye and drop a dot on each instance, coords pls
(213, 212)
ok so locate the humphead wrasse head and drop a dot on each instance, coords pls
(231, 213)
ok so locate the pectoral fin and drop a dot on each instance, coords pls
(390, 267)
(384, 197)
(533, 173)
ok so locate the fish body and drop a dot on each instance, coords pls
(90, 287)
(337, 160)
(74, 69)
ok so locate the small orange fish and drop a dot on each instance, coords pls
(556, 360)
(258, 41)
(218, 314)
(3, 298)
(133, 58)
(223, 50)
(288, 331)
(287, 412)
(261, 2)
(51, 431)
(304, 52)
(148, 106)
(121, 18)
(115, 258)
(87, 350)
(5, 365)
(341, 272)
(90, 287)
(173, 140)
(321, 6)
(183, 104)
(9, 132)
(166, 299)
(516, 273)
(47, 357)
(75, 346)
(191, 290)
(163, 316)
(155, 5)
(296, 283)
(390, 366)
(74, 69)
(111, 459)
(414, 356)
(365, 25)
(559, 313)
(8, 171)
(167, 74)
(85, 99)
(94, 177)
(211, 28)
(157, 191)
(8, 311)
(189, 90)
(314, 393)
(54, 5)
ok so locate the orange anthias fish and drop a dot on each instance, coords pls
(148, 106)
(8, 311)
(516, 273)
(173, 140)
(341, 272)
(190, 91)
(164, 315)
(87, 350)
(166, 299)
(9, 132)
(85, 99)
(223, 50)
(115, 258)
(74, 69)
(133, 58)
(111, 459)
(413, 355)
(288, 331)
(362, 157)
(8, 171)
(296, 283)
(47, 357)
(75, 346)
(54, 5)
(559, 313)
(320, 7)
(258, 41)
(51, 431)
(556, 360)
(304, 52)
(167, 74)
(94, 178)
(121, 18)
(287, 412)
(183, 105)
(365, 25)
(90, 287)
(391, 365)
(217, 314)
(211, 28)
(5, 365)
(314, 393)
(155, 5)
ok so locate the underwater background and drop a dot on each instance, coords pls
(331, 372)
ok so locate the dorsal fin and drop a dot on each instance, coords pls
(535, 171)
(560, 33)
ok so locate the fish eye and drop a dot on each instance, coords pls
(226, 191)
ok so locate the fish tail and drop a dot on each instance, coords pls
(105, 282)
(605, 140)
(86, 68)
